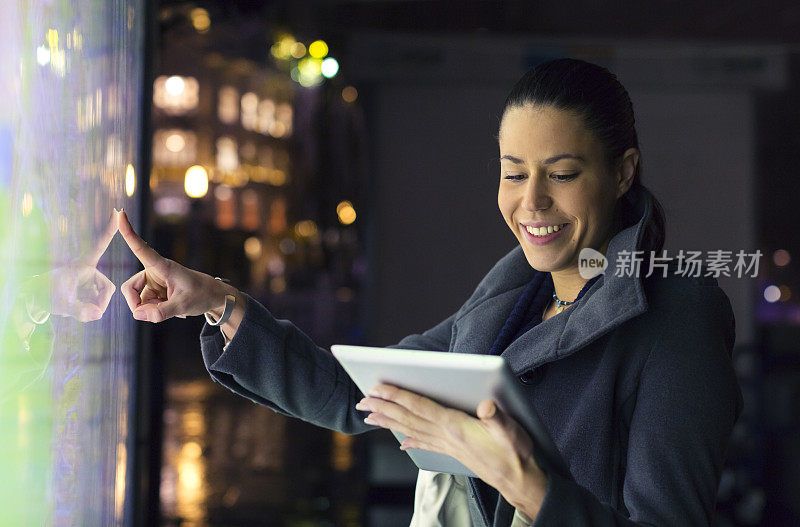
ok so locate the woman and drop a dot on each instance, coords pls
(631, 375)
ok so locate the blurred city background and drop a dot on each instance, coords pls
(334, 159)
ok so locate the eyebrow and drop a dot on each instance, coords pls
(549, 161)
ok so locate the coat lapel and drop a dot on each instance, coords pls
(609, 302)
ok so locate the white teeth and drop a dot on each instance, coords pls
(543, 231)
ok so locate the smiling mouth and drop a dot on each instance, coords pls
(541, 232)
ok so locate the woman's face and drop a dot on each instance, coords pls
(553, 173)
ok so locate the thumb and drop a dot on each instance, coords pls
(495, 420)
(503, 427)
(157, 311)
(486, 409)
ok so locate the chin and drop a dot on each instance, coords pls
(538, 263)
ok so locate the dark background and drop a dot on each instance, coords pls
(715, 95)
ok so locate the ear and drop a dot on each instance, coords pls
(626, 170)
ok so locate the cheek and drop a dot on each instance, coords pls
(506, 205)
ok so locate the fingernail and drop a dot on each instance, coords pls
(115, 210)
(122, 209)
(370, 421)
(374, 393)
(140, 315)
(361, 406)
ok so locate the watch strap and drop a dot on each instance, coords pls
(230, 303)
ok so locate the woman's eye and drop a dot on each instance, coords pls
(564, 177)
(557, 177)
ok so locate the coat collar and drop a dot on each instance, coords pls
(611, 301)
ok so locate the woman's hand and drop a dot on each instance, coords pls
(493, 446)
(166, 289)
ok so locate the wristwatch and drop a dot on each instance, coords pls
(230, 303)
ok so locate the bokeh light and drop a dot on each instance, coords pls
(306, 229)
(175, 85)
(200, 19)
(772, 293)
(781, 257)
(346, 213)
(252, 248)
(130, 180)
(318, 49)
(349, 94)
(298, 50)
(196, 182)
(330, 67)
(786, 293)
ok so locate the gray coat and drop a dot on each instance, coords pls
(634, 382)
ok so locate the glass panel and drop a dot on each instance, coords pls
(70, 86)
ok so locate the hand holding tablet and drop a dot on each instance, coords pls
(452, 380)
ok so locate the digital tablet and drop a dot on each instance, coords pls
(456, 380)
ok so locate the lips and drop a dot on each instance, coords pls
(547, 238)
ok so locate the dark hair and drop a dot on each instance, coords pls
(595, 94)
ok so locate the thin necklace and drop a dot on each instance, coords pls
(561, 305)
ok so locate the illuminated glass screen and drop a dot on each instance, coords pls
(70, 83)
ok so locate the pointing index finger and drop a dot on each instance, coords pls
(146, 254)
(102, 244)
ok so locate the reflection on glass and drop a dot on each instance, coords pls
(70, 91)
(184, 486)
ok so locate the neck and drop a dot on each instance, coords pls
(569, 282)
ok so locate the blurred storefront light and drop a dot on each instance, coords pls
(284, 115)
(175, 85)
(174, 148)
(228, 105)
(176, 95)
(266, 115)
(227, 154)
(175, 142)
(251, 210)
(196, 182)
(171, 206)
(249, 111)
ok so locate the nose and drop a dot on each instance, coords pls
(536, 195)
